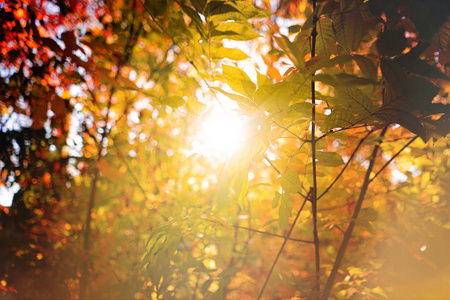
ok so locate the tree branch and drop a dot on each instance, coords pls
(346, 165)
(351, 226)
(286, 238)
(393, 157)
(273, 234)
(314, 164)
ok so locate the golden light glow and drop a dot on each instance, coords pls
(220, 134)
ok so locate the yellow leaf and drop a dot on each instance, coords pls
(195, 107)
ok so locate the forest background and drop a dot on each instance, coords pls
(224, 149)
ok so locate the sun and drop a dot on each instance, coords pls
(220, 134)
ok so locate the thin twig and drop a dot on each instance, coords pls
(278, 171)
(271, 164)
(392, 158)
(352, 224)
(288, 130)
(346, 165)
(273, 234)
(286, 238)
(127, 165)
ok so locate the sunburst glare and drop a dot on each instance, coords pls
(220, 134)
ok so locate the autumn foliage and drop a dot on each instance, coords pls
(333, 184)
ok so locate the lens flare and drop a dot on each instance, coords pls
(220, 134)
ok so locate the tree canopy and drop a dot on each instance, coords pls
(219, 149)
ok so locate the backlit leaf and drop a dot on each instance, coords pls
(329, 159)
(172, 101)
(339, 118)
(239, 81)
(195, 107)
(274, 96)
(285, 210)
(238, 31)
(349, 29)
(292, 51)
(276, 200)
(325, 37)
(219, 52)
(354, 100)
(262, 80)
(290, 182)
(343, 79)
(156, 8)
(367, 66)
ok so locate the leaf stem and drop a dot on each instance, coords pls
(351, 226)
(393, 157)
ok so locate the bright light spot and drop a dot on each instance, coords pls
(423, 248)
(211, 249)
(209, 263)
(7, 194)
(213, 287)
(220, 134)
(398, 176)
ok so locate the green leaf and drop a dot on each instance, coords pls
(349, 29)
(285, 210)
(199, 5)
(172, 101)
(442, 38)
(220, 52)
(214, 8)
(354, 100)
(292, 51)
(195, 19)
(251, 11)
(299, 110)
(329, 159)
(195, 107)
(339, 118)
(367, 215)
(418, 66)
(391, 42)
(276, 200)
(367, 66)
(403, 118)
(262, 80)
(239, 81)
(238, 11)
(238, 31)
(294, 29)
(329, 62)
(325, 37)
(156, 8)
(343, 79)
(290, 181)
(274, 96)
(379, 292)
(240, 184)
(230, 271)
(206, 285)
(235, 97)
